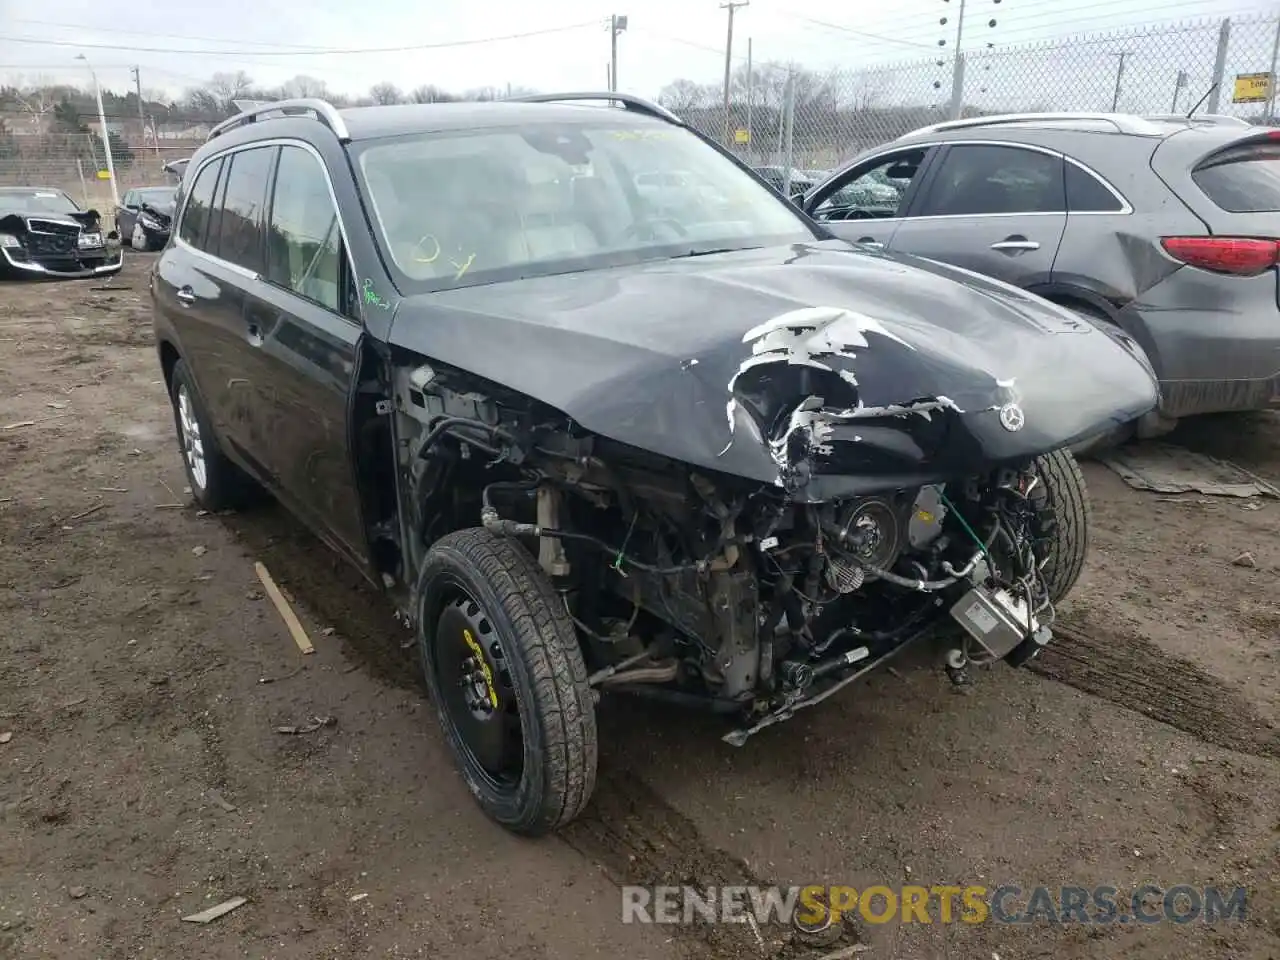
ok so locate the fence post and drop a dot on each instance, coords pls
(1220, 65)
(782, 116)
(1275, 54)
(84, 189)
(789, 111)
(957, 87)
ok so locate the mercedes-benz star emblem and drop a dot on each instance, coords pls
(1011, 417)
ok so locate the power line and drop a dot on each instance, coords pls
(1019, 20)
(171, 36)
(408, 48)
(856, 33)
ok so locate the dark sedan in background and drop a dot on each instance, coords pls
(145, 216)
(45, 235)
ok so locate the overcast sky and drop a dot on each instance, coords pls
(666, 39)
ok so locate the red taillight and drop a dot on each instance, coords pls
(1243, 256)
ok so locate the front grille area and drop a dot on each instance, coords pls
(49, 236)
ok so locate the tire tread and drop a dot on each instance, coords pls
(1072, 513)
(544, 637)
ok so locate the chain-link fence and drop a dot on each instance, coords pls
(39, 150)
(836, 114)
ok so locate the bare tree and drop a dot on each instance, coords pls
(385, 93)
(681, 96)
(226, 87)
(430, 93)
(304, 86)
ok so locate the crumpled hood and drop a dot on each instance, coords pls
(901, 374)
(163, 212)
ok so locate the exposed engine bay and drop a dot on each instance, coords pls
(714, 590)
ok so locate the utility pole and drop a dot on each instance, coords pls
(750, 97)
(957, 69)
(102, 131)
(731, 6)
(142, 119)
(616, 25)
(1115, 98)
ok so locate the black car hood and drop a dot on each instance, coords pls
(818, 367)
(86, 219)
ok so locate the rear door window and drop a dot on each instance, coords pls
(240, 227)
(977, 179)
(1243, 179)
(195, 218)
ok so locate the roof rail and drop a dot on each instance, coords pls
(1123, 122)
(324, 111)
(628, 101)
(1212, 119)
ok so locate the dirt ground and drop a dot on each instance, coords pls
(143, 676)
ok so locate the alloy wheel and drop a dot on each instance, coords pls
(192, 442)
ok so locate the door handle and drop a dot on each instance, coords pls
(186, 295)
(1015, 245)
(871, 242)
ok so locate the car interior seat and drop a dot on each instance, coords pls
(549, 226)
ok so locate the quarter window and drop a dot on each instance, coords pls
(195, 218)
(240, 227)
(304, 244)
(1086, 195)
(995, 180)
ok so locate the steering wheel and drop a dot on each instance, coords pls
(633, 230)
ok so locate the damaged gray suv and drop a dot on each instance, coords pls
(712, 455)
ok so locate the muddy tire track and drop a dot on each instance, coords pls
(1131, 671)
(636, 837)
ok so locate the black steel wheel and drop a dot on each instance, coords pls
(502, 662)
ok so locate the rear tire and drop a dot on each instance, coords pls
(216, 483)
(1065, 516)
(488, 592)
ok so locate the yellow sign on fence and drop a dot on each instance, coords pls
(1252, 88)
(104, 175)
(741, 136)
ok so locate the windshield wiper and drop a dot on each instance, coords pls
(708, 253)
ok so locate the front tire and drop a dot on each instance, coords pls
(506, 674)
(216, 483)
(1064, 518)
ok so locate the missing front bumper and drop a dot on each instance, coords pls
(63, 268)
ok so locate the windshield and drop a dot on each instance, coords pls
(36, 202)
(477, 206)
(156, 196)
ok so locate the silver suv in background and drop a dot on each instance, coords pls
(1166, 227)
